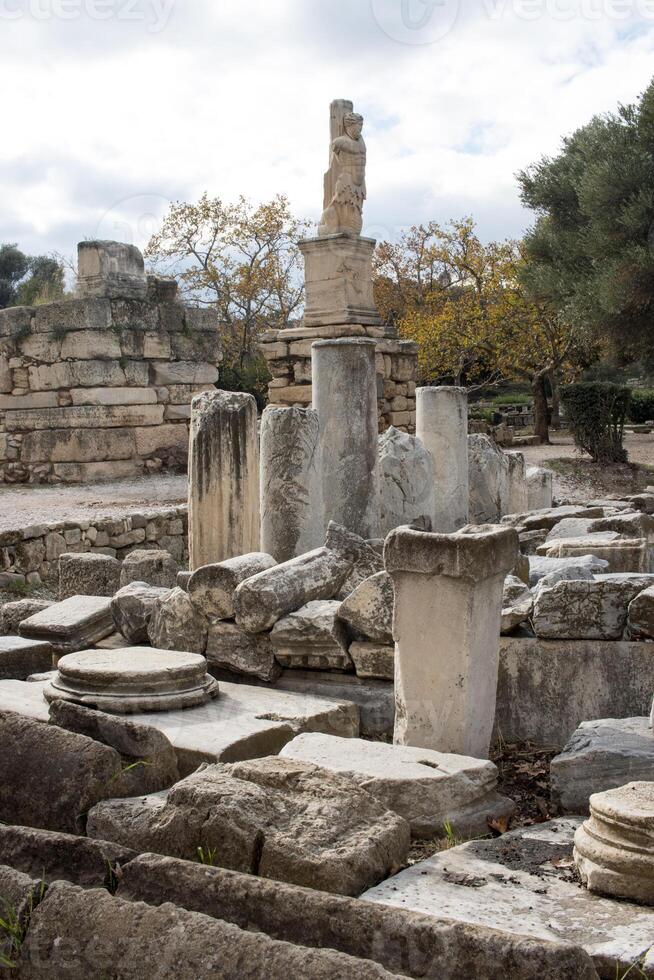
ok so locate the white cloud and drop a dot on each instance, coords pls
(110, 119)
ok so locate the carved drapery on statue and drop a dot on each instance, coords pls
(345, 181)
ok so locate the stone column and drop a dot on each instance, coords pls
(345, 396)
(518, 498)
(442, 427)
(223, 477)
(446, 626)
(292, 520)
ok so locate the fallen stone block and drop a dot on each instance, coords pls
(250, 654)
(132, 608)
(312, 638)
(601, 755)
(540, 567)
(176, 624)
(88, 574)
(521, 884)
(621, 554)
(413, 945)
(81, 933)
(488, 470)
(614, 850)
(154, 567)
(50, 855)
(12, 614)
(274, 817)
(368, 610)
(429, 789)
(74, 624)
(19, 657)
(640, 619)
(212, 587)
(406, 480)
(577, 610)
(373, 660)
(260, 601)
(571, 573)
(364, 559)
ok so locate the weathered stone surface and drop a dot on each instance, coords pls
(19, 894)
(74, 624)
(83, 345)
(641, 614)
(185, 372)
(223, 478)
(292, 520)
(406, 480)
(156, 567)
(546, 519)
(175, 624)
(132, 608)
(84, 417)
(344, 385)
(569, 573)
(82, 933)
(278, 818)
(539, 695)
(76, 314)
(88, 574)
(132, 679)
(19, 658)
(312, 637)
(231, 648)
(602, 755)
(540, 567)
(260, 601)
(12, 614)
(442, 428)
(70, 445)
(51, 855)
(499, 884)
(539, 488)
(578, 610)
(152, 439)
(517, 604)
(517, 488)
(428, 789)
(369, 609)
(212, 587)
(364, 558)
(489, 480)
(621, 554)
(113, 396)
(614, 850)
(373, 660)
(110, 269)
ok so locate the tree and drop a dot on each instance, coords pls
(240, 258)
(45, 283)
(466, 305)
(591, 251)
(14, 265)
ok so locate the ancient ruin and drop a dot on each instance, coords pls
(253, 736)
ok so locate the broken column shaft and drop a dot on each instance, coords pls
(442, 427)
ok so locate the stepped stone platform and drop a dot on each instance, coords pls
(132, 679)
(242, 723)
(523, 884)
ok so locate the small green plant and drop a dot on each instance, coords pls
(450, 836)
(13, 926)
(22, 588)
(622, 974)
(207, 857)
(596, 413)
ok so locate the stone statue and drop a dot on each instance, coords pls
(345, 181)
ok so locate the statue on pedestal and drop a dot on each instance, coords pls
(345, 181)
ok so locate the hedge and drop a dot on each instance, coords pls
(642, 406)
(596, 413)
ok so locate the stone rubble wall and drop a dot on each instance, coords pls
(288, 354)
(30, 556)
(98, 388)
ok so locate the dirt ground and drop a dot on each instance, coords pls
(578, 479)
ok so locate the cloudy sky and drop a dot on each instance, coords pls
(113, 108)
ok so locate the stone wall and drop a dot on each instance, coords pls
(288, 354)
(100, 387)
(30, 555)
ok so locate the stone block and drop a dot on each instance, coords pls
(19, 658)
(292, 395)
(110, 269)
(564, 568)
(16, 321)
(157, 568)
(212, 587)
(176, 624)
(231, 649)
(88, 345)
(12, 614)
(41, 347)
(429, 789)
(97, 472)
(621, 554)
(641, 614)
(50, 855)
(87, 374)
(312, 638)
(489, 480)
(368, 610)
(373, 660)
(71, 445)
(77, 314)
(113, 396)
(156, 346)
(264, 814)
(584, 610)
(185, 372)
(338, 275)
(152, 440)
(35, 399)
(135, 314)
(176, 413)
(87, 574)
(406, 479)
(132, 607)
(85, 417)
(74, 624)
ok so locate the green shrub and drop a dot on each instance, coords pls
(641, 408)
(596, 413)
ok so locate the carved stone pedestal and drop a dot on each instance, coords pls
(338, 271)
